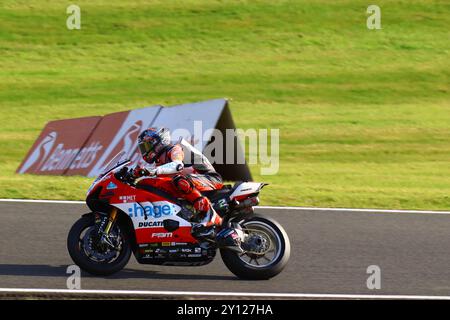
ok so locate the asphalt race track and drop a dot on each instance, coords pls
(331, 251)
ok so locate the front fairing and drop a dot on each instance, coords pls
(107, 175)
(93, 185)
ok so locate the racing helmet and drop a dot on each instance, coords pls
(152, 142)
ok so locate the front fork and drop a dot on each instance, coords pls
(104, 234)
(111, 220)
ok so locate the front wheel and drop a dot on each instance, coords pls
(93, 256)
(267, 250)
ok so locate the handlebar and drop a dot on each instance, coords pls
(125, 175)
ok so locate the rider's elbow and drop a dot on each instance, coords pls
(179, 165)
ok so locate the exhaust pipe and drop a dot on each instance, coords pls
(250, 202)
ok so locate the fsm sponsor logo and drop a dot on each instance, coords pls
(156, 211)
(162, 235)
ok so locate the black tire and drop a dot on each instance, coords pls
(82, 260)
(245, 271)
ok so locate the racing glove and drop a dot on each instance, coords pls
(141, 172)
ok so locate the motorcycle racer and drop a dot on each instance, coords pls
(184, 171)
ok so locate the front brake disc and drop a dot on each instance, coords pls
(93, 250)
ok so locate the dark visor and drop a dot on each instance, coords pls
(145, 147)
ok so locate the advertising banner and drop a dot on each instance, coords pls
(84, 146)
(118, 133)
(101, 137)
(191, 121)
(59, 144)
(195, 123)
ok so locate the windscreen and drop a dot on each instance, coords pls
(115, 162)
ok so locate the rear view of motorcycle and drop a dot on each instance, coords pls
(155, 227)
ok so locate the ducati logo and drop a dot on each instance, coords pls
(151, 224)
(40, 154)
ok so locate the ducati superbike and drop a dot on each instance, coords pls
(155, 227)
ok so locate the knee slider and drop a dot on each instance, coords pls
(183, 184)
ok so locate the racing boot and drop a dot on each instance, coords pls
(205, 221)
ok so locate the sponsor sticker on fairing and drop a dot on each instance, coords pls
(155, 209)
(111, 186)
(162, 235)
(150, 224)
(131, 198)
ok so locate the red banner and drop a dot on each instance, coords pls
(58, 146)
(116, 132)
(84, 146)
(104, 133)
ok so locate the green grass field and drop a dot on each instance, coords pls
(364, 115)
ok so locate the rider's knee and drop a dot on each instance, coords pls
(202, 204)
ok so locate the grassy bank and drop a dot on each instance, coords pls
(364, 115)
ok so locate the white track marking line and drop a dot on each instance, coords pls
(262, 207)
(355, 210)
(43, 201)
(223, 294)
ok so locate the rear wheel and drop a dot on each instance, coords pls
(95, 256)
(267, 250)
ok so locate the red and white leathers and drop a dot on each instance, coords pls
(178, 176)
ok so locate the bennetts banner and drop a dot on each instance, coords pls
(83, 146)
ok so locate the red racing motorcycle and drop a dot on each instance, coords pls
(155, 226)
